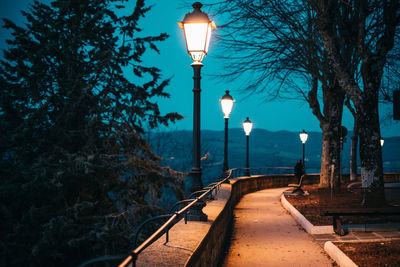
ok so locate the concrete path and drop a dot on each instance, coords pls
(265, 234)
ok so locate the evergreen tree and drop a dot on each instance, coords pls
(75, 168)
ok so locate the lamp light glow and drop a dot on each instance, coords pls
(197, 28)
(303, 136)
(227, 104)
(247, 126)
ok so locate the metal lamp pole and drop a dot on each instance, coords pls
(247, 156)
(303, 138)
(225, 165)
(195, 172)
(247, 126)
(197, 28)
(226, 105)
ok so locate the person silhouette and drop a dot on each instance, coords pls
(298, 170)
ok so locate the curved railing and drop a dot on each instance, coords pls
(173, 219)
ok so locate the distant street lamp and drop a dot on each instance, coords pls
(197, 28)
(303, 138)
(247, 126)
(382, 142)
(226, 104)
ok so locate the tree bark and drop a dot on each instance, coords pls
(353, 152)
(369, 133)
(330, 176)
(366, 104)
(354, 143)
(330, 158)
(330, 123)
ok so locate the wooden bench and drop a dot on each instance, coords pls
(354, 200)
(337, 212)
(297, 186)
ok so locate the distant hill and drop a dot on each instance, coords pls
(267, 149)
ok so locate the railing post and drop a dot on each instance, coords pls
(133, 261)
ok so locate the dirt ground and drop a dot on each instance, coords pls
(310, 206)
(373, 253)
(362, 253)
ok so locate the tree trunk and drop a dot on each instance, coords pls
(370, 148)
(366, 105)
(368, 123)
(354, 143)
(353, 152)
(330, 176)
(331, 126)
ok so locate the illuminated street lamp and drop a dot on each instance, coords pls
(382, 142)
(247, 126)
(226, 104)
(303, 138)
(197, 28)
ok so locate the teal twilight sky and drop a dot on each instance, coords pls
(174, 62)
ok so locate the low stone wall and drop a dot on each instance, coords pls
(210, 250)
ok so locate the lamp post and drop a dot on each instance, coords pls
(197, 28)
(247, 126)
(303, 138)
(226, 105)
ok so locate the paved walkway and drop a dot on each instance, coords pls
(265, 234)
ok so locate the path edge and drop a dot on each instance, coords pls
(338, 255)
(309, 227)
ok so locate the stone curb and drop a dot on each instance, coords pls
(334, 252)
(309, 227)
(328, 229)
(338, 256)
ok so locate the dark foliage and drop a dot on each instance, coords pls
(75, 169)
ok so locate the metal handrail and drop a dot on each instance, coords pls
(192, 195)
(180, 202)
(214, 188)
(167, 225)
(140, 227)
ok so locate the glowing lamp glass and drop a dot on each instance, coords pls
(226, 107)
(197, 28)
(227, 104)
(247, 126)
(303, 137)
(197, 39)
